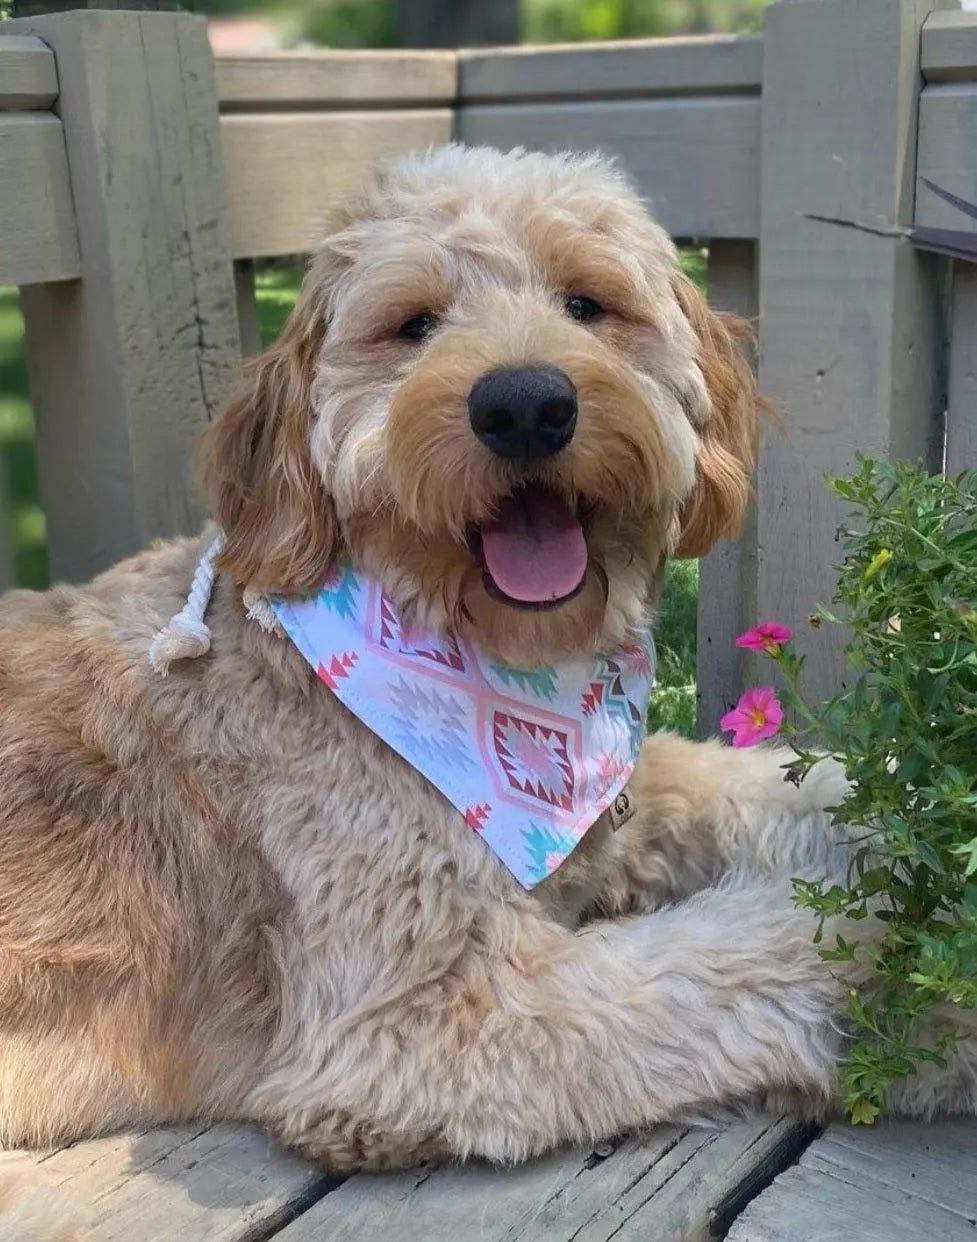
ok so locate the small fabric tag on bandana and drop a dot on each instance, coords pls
(531, 757)
(622, 808)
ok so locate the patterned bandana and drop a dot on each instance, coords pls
(530, 757)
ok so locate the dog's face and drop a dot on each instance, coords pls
(497, 393)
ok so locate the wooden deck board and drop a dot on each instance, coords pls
(237, 1186)
(672, 1183)
(217, 1183)
(892, 1182)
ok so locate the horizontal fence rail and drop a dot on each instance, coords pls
(294, 81)
(948, 47)
(299, 131)
(39, 241)
(699, 65)
(682, 114)
(28, 77)
(283, 170)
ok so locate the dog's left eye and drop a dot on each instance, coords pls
(582, 308)
(418, 327)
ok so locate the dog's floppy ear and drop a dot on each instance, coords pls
(271, 504)
(729, 429)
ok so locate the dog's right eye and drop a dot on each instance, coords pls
(418, 327)
(582, 308)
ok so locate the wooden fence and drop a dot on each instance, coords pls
(139, 179)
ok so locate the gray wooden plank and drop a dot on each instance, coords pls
(695, 158)
(128, 364)
(949, 47)
(806, 1206)
(891, 1182)
(851, 332)
(28, 77)
(31, 1210)
(668, 1184)
(282, 171)
(936, 1163)
(39, 241)
(713, 63)
(220, 1182)
(270, 81)
(947, 154)
(247, 308)
(727, 574)
(961, 431)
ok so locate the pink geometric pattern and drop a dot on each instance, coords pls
(610, 769)
(389, 637)
(531, 758)
(476, 815)
(534, 758)
(338, 667)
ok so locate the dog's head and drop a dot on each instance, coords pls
(499, 394)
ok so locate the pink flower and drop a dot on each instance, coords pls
(756, 716)
(769, 636)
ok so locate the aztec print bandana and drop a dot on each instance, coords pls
(530, 757)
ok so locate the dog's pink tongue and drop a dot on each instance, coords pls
(535, 548)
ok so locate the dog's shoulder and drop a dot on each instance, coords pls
(149, 586)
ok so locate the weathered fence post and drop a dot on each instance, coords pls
(727, 575)
(850, 342)
(127, 363)
(249, 326)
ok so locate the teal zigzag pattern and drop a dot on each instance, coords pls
(541, 841)
(613, 700)
(340, 591)
(539, 681)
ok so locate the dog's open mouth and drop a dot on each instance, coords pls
(533, 552)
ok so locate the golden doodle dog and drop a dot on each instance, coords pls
(223, 897)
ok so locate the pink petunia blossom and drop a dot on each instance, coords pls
(768, 636)
(756, 716)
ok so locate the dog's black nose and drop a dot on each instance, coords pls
(526, 412)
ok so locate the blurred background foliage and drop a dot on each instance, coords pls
(549, 21)
(378, 23)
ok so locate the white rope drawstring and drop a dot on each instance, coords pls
(186, 635)
(259, 610)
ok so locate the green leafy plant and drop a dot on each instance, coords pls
(905, 728)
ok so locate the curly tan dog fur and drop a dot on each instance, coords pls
(221, 897)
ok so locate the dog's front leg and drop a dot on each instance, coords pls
(538, 1036)
(703, 808)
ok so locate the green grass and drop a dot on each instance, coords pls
(673, 705)
(276, 289)
(17, 461)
